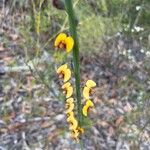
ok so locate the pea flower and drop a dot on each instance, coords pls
(63, 41)
(87, 89)
(73, 123)
(75, 135)
(64, 72)
(68, 89)
(87, 105)
(69, 107)
(90, 83)
(70, 100)
(80, 130)
(69, 114)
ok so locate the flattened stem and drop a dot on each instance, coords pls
(73, 31)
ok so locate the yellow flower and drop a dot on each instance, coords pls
(90, 83)
(86, 92)
(73, 124)
(70, 108)
(87, 105)
(87, 89)
(75, 135)
(69, 44)
(61, 68)
(68, 89)
(66, 85)
(70, 115)
(65, 72)
(61, 37)
(80, 130)
(63, 41)
(70, 100)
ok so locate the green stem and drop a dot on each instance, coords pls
(81, 144)
(73, 31)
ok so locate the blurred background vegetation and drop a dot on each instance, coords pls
(97, 21)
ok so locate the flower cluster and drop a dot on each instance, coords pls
(66, 42)
(65, 73)
(73, 123)
(87, 90)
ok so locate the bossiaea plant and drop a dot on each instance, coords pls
(69, 44)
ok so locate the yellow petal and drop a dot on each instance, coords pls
(90, 83)
(66, 85)
(69, 92)
(75, 132)
(67, 75)
(86, 92)
(70, 108)
(75, 135)
(61, 37)
(73, 124)
(62, 68)
(80, 130)
(67, 105)
(85, 108)
(69, 44)
(68, 88)
(70, 116)
(70, 100)
(89, 103)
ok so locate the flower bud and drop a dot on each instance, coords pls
(59, 4)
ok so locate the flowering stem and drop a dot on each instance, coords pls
(73, 31)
